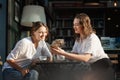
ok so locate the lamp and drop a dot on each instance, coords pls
(32, 13)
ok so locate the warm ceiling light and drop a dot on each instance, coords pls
(91, 3)
(115, 4)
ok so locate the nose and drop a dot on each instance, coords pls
(74, 26)
(42, 34)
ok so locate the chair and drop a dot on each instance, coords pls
(114, 59)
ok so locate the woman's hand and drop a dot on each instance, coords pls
(57, 50)
(34, 61)
(24, 71)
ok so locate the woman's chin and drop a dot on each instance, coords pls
(76, 32)
(41, 39)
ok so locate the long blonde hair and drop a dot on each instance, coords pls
(85, 21)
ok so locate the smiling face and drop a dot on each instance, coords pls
(77, 27)
(40, 33)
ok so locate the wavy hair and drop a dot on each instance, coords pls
(85, 21)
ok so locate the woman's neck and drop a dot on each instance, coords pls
(81, 36)
(35, 42)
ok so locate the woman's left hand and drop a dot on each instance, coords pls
(57, 50)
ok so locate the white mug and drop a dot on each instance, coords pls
(43, 58)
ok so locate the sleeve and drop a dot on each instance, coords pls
(92, 46)
(74, 49)
(45, 50)
(18, 50)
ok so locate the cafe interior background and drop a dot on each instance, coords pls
(16, 17)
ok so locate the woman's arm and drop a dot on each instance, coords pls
(79, 57)
(49, 59)
(17, 67)
(19, 49)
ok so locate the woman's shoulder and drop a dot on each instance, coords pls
(25, 40)
(93, 35)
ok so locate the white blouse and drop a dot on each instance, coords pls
(25, 51)
(90, 45)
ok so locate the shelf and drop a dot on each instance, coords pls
(65, 31)
(64, 22)
(75, 4)
(64, 16)
(65, 28)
